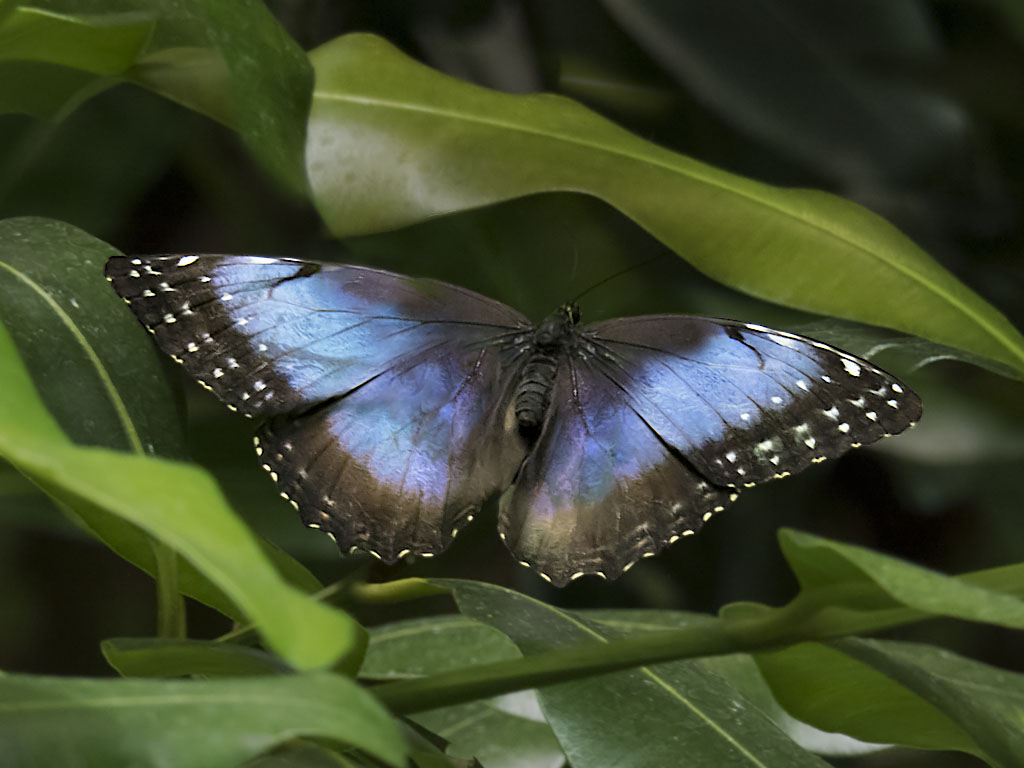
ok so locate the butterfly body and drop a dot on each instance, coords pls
(391, 407)
(552, 341)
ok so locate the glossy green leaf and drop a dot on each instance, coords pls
(201, 724)
(873, 581)
(92, 362)
(494, 736)
(823, 686)
(607, 719)
(98, 374)
(740, 671)
(392, 142)
(177, 504)
(507, 731)
(160, 657)
(985, 702)
(102, 44)
(270, 78)
(231, 61)
(418, 647)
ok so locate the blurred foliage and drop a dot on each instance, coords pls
(911, 109)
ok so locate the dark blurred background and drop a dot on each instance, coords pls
(913, 109)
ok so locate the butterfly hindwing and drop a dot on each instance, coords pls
(387, 419)
(599, 490)
(743, 403)
(398, 465)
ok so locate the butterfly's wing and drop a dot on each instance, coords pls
(386, 420)
(744, 403)
(656, 422)
(599, 490)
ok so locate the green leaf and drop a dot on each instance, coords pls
(740, 671)
(231, 61)
(216, 723)
(269, 76)
(494, 736)
(102, 44)
(418, 647)
(607, 719)
(985, 702)
(158, 657)
(822, 686)
(177, 504)
(99, 374)
(392, 142)
(877, 582)
(93, 363)
(507, 731)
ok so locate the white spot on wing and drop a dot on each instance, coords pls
(782, 340)
(851, 367)
(184, 261)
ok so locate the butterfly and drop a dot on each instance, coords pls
(391, 407)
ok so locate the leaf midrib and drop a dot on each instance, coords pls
(101, 371)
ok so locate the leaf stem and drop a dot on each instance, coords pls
(170, 611)
(812, 615)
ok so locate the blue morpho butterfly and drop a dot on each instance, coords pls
(391, 407)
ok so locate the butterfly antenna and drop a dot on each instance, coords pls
(614, 275)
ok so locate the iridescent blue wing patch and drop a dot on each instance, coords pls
(600, 489)
(742, 403)
(386, 414)
(656, 422)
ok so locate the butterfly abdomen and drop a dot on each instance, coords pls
(533, 395)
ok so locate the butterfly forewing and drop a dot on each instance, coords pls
(387, 419)
(271, 336)
(743, 403)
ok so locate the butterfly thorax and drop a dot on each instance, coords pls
(550, 340)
